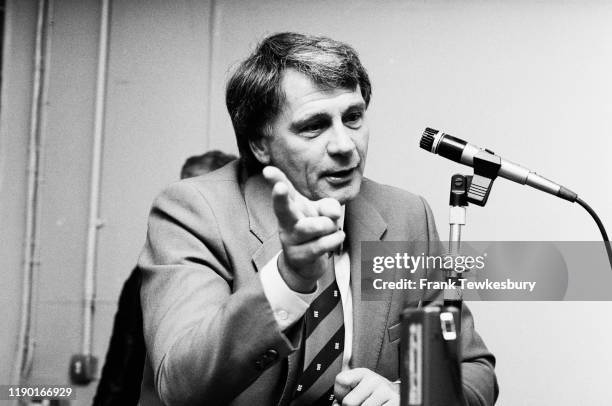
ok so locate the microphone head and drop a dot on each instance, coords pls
(427, 140)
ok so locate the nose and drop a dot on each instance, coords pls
(341, 142)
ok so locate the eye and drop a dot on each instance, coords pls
(313, 128)
(353, 119)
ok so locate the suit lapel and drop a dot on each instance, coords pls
(258, 200)
(263, 225)
(364, 223)
(262, 221)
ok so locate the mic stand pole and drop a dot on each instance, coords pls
(453, 296)
(467, 189)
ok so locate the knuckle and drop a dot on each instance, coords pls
(313, 250)
(301, 226)
(316, 225)
(287, 239)
(325, 225)
(328, 223)
(290, 253)
(299, 255)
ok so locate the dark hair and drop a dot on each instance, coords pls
(207, 162)
(254, 95)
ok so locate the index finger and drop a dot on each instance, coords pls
(284, 207)
(300, 203)
(274, 175)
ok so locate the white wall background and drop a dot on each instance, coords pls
(529, 80)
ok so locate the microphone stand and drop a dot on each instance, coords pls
(430, 339)
(453, 297)
(466, 189)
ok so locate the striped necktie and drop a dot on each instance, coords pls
(323, 345)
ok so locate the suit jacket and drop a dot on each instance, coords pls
(125, 358)
(210, 332)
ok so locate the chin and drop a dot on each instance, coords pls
(346, 194)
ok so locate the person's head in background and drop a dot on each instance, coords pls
(200, 164)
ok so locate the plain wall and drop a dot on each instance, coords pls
(529, 80)
(155, 117)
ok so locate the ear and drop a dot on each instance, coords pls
(261, 149)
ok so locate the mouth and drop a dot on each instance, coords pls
(340, 177)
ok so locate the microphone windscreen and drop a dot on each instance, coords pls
(427, 140)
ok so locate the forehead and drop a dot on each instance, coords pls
(304, 97)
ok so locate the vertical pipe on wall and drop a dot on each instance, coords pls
(30, 254)
(94, 222)
(213, 21)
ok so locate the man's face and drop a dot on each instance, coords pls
(319, 139)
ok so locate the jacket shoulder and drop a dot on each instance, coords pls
(223, 180)
(219, 190)
(407, 215)
(391, 198)
(208, 205)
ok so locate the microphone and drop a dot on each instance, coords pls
(463, 152)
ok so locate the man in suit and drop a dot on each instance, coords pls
(251, 287)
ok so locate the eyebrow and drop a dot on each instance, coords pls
(355, 106)
(310, 119)
(296, 126)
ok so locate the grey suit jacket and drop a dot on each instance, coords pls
(210, 332)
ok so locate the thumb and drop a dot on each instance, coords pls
(346, 381)
(329, 207)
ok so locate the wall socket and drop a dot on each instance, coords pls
(83, 368)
